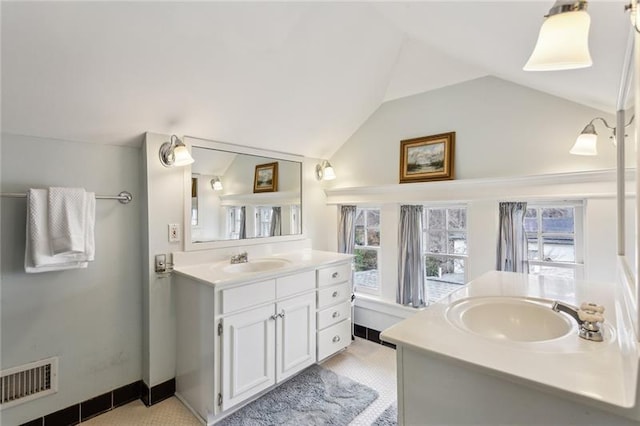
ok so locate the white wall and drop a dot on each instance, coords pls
(503, 130)
(90, 318)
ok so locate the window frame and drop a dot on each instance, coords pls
(425, 237)
(232, 215)
(260, 212)
(578, 235)
(362, 288)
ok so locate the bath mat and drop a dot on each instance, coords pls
(389, 417)
(316, 396)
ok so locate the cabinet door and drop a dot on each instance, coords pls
(248, 354)
(296, 335)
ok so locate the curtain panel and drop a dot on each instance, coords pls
(512, 239)
(411, 281)
(347, 229)
(276, 222)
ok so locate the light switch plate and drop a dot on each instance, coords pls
(174, 233)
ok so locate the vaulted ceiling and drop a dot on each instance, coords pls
(299, 77)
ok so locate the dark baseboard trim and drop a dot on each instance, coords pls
(371, 335)
(157, 393)
(92, 407)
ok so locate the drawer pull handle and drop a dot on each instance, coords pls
(335, 294)
(335, 315)
(335, 275)
(273, 317)
(281, 314)
(336, 339)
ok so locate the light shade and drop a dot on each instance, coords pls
(216, 184)
(563, 43)
(585, 145)
(175, 153)
(324, 171)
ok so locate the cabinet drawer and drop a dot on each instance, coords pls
(334, 314)
(334, 274)
(236, 298)
(334, 338)
(335, 294)
(294, 284)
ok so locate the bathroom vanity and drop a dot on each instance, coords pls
(495, 352)
(244, 328)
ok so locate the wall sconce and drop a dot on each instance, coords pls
(563, 41)
(175, 153)
(324, 171)
(216, 184)
(586, 141)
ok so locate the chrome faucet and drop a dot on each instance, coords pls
(588, 316)
(240, 258)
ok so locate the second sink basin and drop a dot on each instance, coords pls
(257, 265)
(509, 319)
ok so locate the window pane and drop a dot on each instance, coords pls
(531, 220)
(559, 249)
(436, 218)
(373, 237)
(552, 271)
(457, 243)
(366, 260)
(444, 269)
(437, 242)
(360, 217)
(557, 220)
(373, 218)
(360, 236)
(533, 248)
(457, 219)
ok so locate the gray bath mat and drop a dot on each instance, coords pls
(389, 417)
(316, 396)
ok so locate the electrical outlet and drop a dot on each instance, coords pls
(174, 233)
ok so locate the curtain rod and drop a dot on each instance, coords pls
(124, 197)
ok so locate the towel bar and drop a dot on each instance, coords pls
(124, 197)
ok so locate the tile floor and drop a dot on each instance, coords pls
(366, 362)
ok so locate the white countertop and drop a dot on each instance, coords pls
(601, 373)
(213, 273)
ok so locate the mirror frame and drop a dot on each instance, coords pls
(192, 141)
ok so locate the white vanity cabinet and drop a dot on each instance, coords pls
(264, 344)
(237, 339)
(334, 308)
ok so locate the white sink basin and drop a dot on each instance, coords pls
(510, 319)
(257, 265)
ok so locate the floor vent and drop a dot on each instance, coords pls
(26, 382)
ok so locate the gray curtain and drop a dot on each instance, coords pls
(512, 238)
(243, 223)
(276, 222)
(347, 229)
(411, 285)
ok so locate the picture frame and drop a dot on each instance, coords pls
(427, 158)
(266, 178)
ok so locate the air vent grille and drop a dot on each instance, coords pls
(26, 382)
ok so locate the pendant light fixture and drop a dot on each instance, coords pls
(563, 41)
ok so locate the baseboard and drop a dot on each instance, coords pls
(89, 408)
(157, 393)
(370, 335)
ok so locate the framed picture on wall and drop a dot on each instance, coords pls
(427, 158)
(266, 178)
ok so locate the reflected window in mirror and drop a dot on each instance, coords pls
(296, 223)
(233, 222)
(263, 221)
(194, 201)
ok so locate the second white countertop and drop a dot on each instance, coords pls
(604, 373)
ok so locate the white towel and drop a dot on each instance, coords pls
(67, 220)
(38, 255)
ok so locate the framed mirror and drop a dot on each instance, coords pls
(237, 195)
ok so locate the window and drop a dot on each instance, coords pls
(234, 218)
(295, 219)
(554, 236)
(263, 221)
(445, 249)
(367, 248)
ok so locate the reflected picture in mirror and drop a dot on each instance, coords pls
(260, 196)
